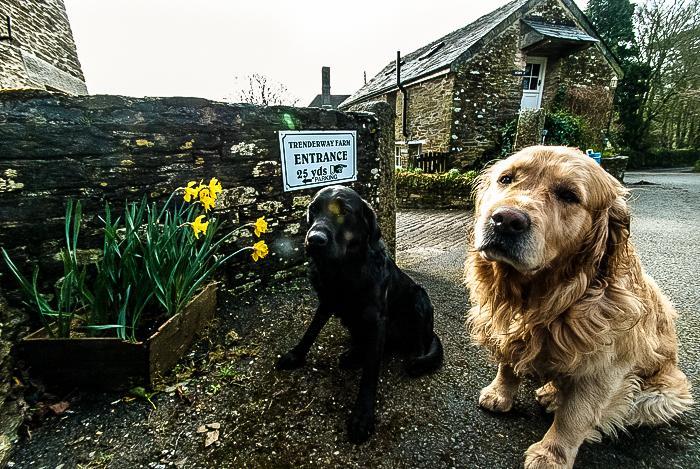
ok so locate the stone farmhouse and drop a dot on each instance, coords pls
(37, 50)
(456, 93)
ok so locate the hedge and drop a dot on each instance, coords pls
(664, 159)
(415, 189)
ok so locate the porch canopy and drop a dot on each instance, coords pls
(553, 40)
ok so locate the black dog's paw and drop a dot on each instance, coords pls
(350, 360)
(360, 426)
(290, 361)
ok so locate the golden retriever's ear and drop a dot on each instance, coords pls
(480, 185)
(616, 245)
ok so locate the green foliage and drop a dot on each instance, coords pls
(629, 102)
(667, 158)
(564, 128)
(453, 173)
(507, 138)
(451, 181)
(151, 262)
(57, 319)
(613, 22)
(696, 167)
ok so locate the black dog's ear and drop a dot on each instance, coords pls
(371, 220)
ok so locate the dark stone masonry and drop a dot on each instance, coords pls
(40, 52)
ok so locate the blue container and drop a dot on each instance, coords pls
(595, 155)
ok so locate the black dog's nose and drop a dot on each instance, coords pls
(510, 221)
(316, 239)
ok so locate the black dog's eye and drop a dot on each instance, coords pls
(505, 179)
(566, 195)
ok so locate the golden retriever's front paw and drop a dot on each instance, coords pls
(542, 456)
(547, 397)
(496, 399)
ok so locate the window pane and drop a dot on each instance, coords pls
(526, 83)
(528, 70)
(533, 83)
(535, 70)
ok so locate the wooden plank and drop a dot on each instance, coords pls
(174, 338)
(89, 362)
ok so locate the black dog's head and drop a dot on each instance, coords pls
(341, 225)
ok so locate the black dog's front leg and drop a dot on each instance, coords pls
(361, 424)
(297, 356)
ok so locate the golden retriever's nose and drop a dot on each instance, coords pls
(510, 221)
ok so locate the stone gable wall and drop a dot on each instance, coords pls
(486, 96)
(41, 35)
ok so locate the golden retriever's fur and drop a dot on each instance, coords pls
(571, 304)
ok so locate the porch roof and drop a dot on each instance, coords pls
(549, 38)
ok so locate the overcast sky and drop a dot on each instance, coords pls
(199, 47)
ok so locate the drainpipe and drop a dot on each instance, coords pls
(404, 94)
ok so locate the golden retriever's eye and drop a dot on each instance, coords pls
(566, 195)
(505, 179)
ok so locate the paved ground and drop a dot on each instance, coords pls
(271, 419)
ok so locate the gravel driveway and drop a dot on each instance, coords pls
(297, 419)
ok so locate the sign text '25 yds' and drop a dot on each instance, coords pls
(317, 158)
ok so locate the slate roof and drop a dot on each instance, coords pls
(439, 55)
(336, 100)
(453, 45)
(559, 31)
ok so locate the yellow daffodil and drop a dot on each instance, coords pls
(260, 250)
(199, 226)
(260, 226)
(192, 192)
(214, 187)
(206, 199)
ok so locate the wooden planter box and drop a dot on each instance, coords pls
(115, 363)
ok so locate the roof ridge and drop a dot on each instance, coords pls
(455, 43)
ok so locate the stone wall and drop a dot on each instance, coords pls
(42, 52)
(429, 112)
(434, 191)
(54, 147)
(486, 96)
(528, 131)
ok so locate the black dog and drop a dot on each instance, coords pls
(357, 280)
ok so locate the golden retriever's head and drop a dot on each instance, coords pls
(547, 206)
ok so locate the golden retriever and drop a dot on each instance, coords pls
(559, 293)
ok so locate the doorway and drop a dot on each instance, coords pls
(533, 83)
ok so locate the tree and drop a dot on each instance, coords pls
(668, 34)
(258, 89)
(613, 22)
(657, 98)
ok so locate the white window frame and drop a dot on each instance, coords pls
(397, 155)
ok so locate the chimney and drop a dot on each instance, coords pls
(326, 87)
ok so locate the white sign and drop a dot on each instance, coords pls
(317, 158)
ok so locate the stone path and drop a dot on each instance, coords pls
(421, 234)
